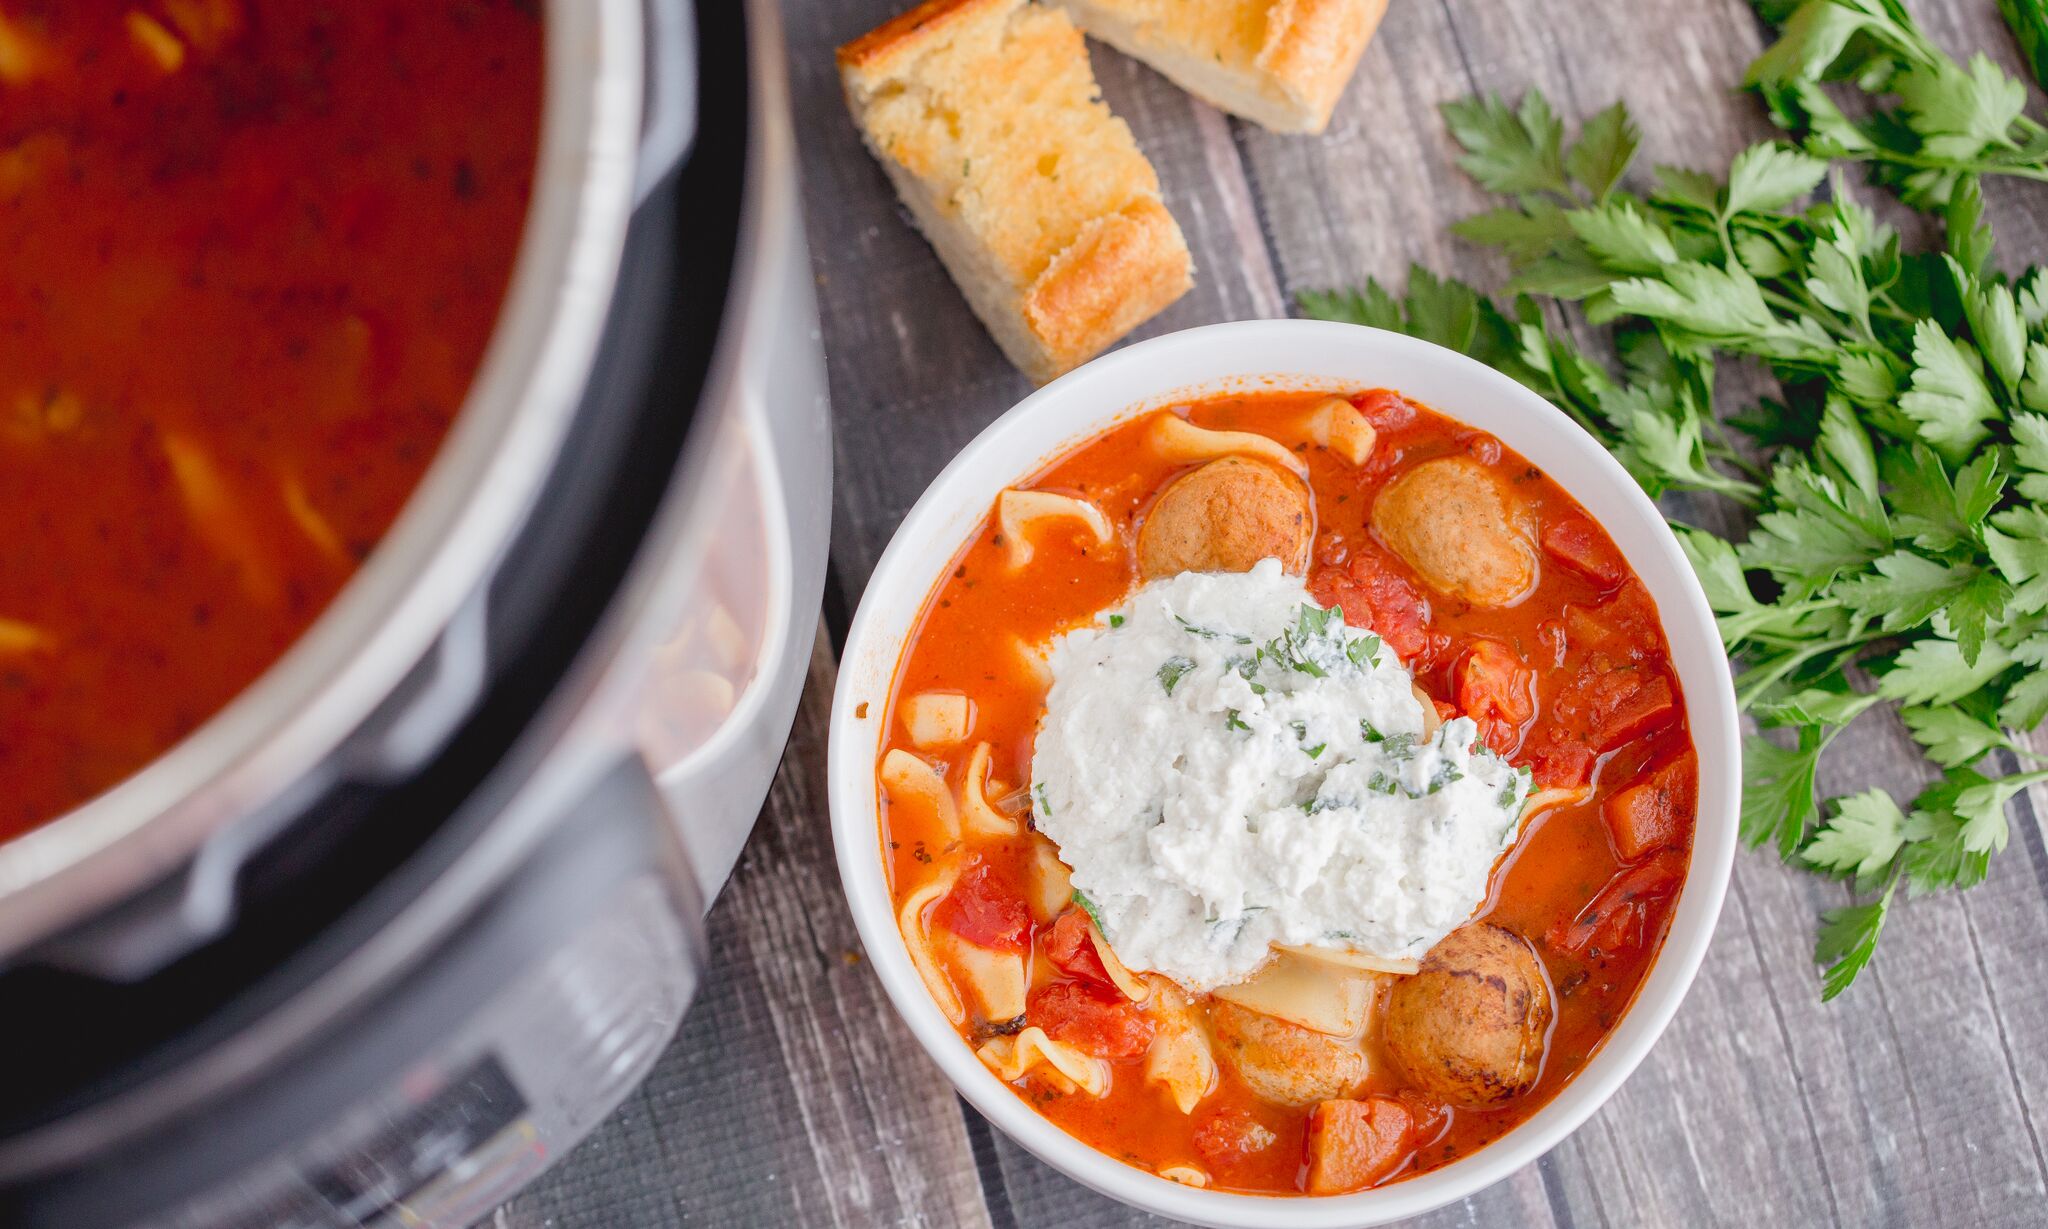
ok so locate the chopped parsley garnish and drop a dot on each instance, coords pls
(1315, 751)
(1208, 633)
(1446, 773)
(1370, 732)
(1399, 746)
(1246, 667)
(1088, 907)
(1312, 624)
(1316, 620)
(1363, 652)
(1038, 792)
(1170, 673)
(1232, 721)
(1381, 783)
(1116, 620)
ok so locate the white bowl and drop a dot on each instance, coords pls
(1277, 354)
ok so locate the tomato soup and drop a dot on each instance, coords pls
(253, 252)
(1567, 677)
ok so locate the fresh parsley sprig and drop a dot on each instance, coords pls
(1893, 492)
(1937, 125)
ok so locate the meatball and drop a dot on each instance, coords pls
(1463, 533)
(1469, 1027)
(1284, 1062)
(1225, 517)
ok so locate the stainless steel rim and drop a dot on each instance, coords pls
(452, 530)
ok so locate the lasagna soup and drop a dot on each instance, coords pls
(252, 253)
(1287, 793)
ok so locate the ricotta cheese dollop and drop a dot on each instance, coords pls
(1226, 765)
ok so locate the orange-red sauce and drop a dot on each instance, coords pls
(1608, 712)
(250, 255)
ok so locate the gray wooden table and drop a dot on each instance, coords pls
(794, 1096)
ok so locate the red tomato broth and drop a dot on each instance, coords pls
(246, 295)
(1558, 867)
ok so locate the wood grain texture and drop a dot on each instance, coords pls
(794, 1095)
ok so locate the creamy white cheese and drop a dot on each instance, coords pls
(1225, 765)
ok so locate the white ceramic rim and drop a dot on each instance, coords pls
(1285, 354)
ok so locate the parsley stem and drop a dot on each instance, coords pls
(1755, 682)
(2033, 171)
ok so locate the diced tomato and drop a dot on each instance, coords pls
(1656, 811)
(1497, 690)
(1444, 712)
(984, 910)
(1634, 706)
(1384, 408)
(1355, 1144)
(1374, 596)
(1069, 946)
(1606, 707)
(1229, 1138)
(1574, 542)
(1618, 917)
(1556, 761)
(1623, 628)
(1432, 1118)
(1103, 1023)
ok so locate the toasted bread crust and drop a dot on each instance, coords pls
(1122, 269)
(985, 115)
(1280, 63)
(891, 47)
(1313, 46)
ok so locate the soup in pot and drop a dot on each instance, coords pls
(251, 252)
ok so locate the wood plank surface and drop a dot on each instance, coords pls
(795, 1097)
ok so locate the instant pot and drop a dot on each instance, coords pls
(388, 935)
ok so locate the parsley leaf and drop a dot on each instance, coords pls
(1767, 177)
(2028, 20)
(1622, 238)
(1510, 151)
(1951, 736)
(1933, 671)
(1606, 146)
(1939, 513)
(1904, 589)
(1777, 790)
(1848, 938)
(1861, 839)
(1949, 398)
(1173, 670)
(1936, 857)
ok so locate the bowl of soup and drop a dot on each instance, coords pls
(1285, 773)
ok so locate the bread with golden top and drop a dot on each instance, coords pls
(1279, 63)
(986, 116)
